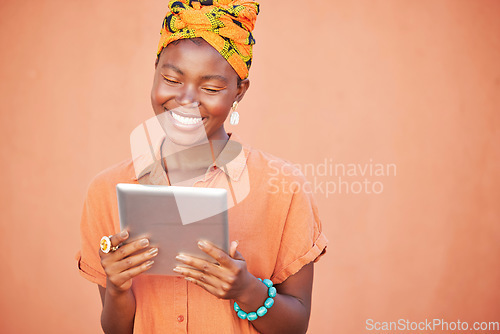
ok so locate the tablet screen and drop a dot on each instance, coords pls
(174, 219)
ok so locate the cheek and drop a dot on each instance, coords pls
(220, 108)
(156, 94)
(159, 95)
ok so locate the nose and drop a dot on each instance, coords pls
(187, 97)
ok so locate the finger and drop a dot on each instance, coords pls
(201, 265)
(237, 256)
(129, 249)
(211, 289)
(109, 259)
(115, 240)
(119, 238)
(206, 278)
(218, 254)
(232, 248)
(123, 277)
(135, 260)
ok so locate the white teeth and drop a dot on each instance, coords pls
(186, 120)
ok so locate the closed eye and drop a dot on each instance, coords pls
(211, 90)
(170, 80)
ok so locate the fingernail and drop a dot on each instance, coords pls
(144, 242)
(149, 263)
(202, 244)
(189, 279)
(181, 257)
(153, 251)
(124, 234)
(178, 270)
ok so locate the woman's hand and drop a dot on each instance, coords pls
(227, 280)
(126, 262)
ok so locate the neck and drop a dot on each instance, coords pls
(199, 157)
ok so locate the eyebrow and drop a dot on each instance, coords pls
(215, 77)
(175, 68)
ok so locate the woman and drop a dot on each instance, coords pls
(200, 77)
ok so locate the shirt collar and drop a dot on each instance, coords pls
(231, 165)
(145, 164)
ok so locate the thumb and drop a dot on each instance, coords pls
(232, 248)
(238, 256)
(234, 253)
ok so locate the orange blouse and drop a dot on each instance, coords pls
(275, 221)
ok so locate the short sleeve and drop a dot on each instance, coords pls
(97, 221)
(302, 240)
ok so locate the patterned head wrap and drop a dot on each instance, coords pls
(225, 24)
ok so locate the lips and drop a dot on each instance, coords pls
(186, 119)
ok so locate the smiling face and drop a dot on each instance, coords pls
(193, 90)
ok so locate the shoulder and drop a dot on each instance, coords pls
(274, 167)
(105, 181)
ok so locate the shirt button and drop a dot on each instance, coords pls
(180, 318)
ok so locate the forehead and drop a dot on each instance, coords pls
(195, 58)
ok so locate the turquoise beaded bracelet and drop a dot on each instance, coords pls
(251, 316)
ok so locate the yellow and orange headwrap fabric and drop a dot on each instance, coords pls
(225, 24)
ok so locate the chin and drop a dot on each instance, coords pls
(187, 140)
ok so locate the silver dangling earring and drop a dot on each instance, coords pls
(235, 117)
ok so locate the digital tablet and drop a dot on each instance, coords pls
(174, 219)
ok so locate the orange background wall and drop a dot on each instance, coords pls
(412, 83)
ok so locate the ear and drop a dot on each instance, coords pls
(242, 89)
